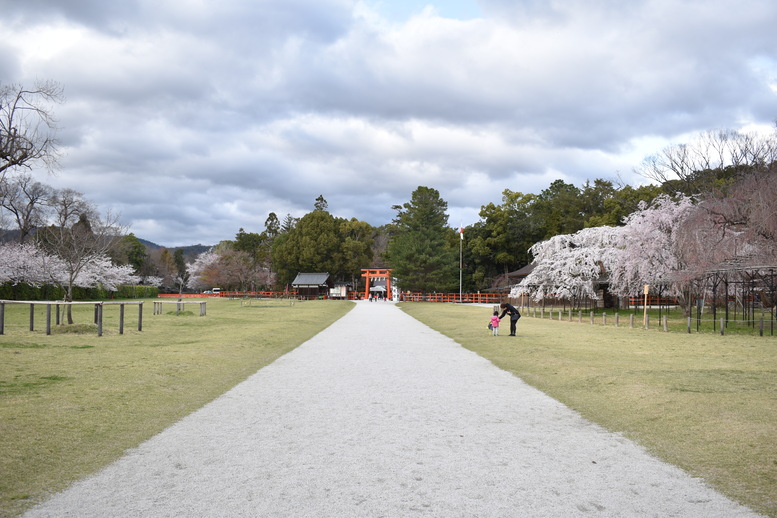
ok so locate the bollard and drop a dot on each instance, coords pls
(631, 321)
(721, 326)
(604, 319)
(592, 317)
(617, 319)
(666, 325)
(689, 325)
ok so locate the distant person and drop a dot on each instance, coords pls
(495, 323)
(509, 309)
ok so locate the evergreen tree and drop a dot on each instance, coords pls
(423, 250)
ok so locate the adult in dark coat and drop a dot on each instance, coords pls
(509, 309)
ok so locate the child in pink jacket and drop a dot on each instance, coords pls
(495, 323)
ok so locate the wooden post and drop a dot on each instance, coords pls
(604, 318)
(722, 320)
(689, 325)
(666, 324)
(647, 321)
(580, 316)
(140, 316)
(570, 314)
(121, 319)
(592, 318)
(617, 319)
(98, 310)
(48, 319)
(631, 320)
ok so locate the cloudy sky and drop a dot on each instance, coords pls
(194, 118)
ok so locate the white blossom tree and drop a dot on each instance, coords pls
(100, 271)
(570, 266)
(26, 263)
(202, 269)
(648, 251)
(79, 236)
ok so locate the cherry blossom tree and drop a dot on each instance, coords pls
(570, 266)
(203, 270)
(100, 271)
(79, 236)
(26, 263)
(647, 251)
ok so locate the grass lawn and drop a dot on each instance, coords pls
(704, 402)
(71, 403)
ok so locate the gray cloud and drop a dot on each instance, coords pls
(194, 119)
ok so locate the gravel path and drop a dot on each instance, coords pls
(379, 415)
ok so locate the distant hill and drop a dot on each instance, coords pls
(188, 251)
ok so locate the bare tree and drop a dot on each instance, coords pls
(27, 125)
(26, 200)
(711, 151)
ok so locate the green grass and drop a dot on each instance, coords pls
(73, 402)
(703, 402)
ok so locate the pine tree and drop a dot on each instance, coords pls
(422, 252)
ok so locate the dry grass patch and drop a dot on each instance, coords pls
(71, 403)
(705, 403)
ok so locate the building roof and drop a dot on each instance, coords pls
(313, 279)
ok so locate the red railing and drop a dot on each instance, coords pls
(473, 298)
(477, 298)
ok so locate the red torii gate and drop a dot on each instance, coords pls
(377, 274)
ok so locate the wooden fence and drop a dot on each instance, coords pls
(57, 305)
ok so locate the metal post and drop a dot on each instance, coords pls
(48, 319)
(140, 316)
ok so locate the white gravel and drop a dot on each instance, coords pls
(379, 415)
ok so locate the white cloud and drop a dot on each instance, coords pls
(196, 118)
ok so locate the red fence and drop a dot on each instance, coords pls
(477, 298)
(473, 298)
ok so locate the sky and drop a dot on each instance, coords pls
(195, 118)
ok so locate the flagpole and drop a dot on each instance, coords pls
(461, 263)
